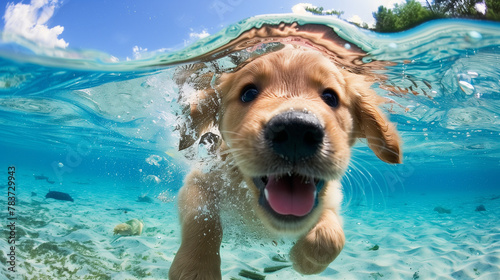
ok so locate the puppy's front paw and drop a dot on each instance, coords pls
(189, 267)
(317, 249)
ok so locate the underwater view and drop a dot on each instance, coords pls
(91, 165)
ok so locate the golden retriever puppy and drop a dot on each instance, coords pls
(287, 121)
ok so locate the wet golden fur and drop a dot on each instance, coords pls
(289, 79)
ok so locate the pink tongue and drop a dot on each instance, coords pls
(290, 195)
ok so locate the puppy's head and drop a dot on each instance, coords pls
(289, 119)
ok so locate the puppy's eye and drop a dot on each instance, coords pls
(330, 97)
(249, 93)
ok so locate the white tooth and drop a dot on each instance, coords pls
(266, 194)
(315, 194)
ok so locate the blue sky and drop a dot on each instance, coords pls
(125, 28)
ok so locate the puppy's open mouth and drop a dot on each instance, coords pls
(288, 196)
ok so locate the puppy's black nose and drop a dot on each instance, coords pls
(294, 135)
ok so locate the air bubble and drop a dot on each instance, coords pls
(393, 45)
(154, 160)
(151, 180)
(464, 77)
(472, 74)
(465, 83)
(347, 46)
(473, 37)
(466, 87)
(233, 30)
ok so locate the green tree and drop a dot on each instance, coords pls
(319, 11)
(385, 20)
(363, 25)
(493, 10)
(315, 10)
(403, 16)
(460, 8)
(411, 14)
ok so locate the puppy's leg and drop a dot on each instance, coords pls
(198, 256)
(320, 246)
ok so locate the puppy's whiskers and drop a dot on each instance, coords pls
(365, 180)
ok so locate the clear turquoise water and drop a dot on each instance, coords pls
(106, 129)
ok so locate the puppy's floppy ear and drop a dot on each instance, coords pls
(371, 123)
(202, 115)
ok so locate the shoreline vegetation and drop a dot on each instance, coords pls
(411, 13)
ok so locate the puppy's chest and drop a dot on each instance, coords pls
(238, 215)
(237, 223)
(243, 231)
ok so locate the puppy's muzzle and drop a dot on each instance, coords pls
(294, 135)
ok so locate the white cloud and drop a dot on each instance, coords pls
(138, 52)
(355, 19)
(203, 34)
(481, 7)
(30, 21)
(300, 8)
(114, 59)
(142, 53)
(194, 36)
